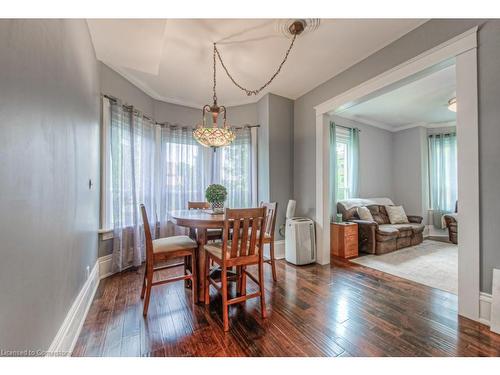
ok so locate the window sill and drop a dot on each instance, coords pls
(106, 234)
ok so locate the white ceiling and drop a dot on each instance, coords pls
(171, 60)
(423, 102)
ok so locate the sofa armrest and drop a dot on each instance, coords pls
(364, 222)
(415, 219)
(450, 221)
(366, 235)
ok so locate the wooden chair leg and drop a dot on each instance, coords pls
(243, 286)
(187, 265)
(225, 317)
(238, 280)
(262, 290)
(194, 278)
(192, 233)
(149, 283)
(206, 275)
(144, 283)
(271, 253)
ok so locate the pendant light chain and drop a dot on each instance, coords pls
(215, 79)
(256, 91)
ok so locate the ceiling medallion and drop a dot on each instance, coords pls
(215, 136)
(309, 25)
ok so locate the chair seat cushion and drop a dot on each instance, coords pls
(214, 230)
(215, 249)
(164, 245)
(214, 233)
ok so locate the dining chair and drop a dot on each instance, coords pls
(240, 251)
(270, 224)
(213, 234)
(162, 250)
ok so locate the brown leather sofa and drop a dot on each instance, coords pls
(380, 236)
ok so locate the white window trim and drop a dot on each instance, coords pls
(105, 150)
(254, 145)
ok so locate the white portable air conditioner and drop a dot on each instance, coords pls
(300, 241)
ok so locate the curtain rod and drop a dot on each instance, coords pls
(166, 123)
(348, 127)
(441, 134)
(129, 107)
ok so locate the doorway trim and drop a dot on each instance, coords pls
(464, 49)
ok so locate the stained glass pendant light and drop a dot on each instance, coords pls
(214, 135)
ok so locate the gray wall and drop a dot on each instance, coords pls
(49, 148)
(489, 148)
(423, 38)
(280, 155)
(275, 153)
(375, 159)
(409, 170)
(263, 185)
(116, 85)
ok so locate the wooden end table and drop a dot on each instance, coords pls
(344, 240)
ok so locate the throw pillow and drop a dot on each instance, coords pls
(396, 214)
(376, 214)
(365, 214)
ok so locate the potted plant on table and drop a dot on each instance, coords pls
(216, 195)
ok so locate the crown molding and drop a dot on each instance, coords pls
(367, 121)
(156, 96)
(395, 129)
(428, 125)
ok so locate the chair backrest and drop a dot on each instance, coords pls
(147, 233)
(198, 205)
(271, 209)
(247, 234)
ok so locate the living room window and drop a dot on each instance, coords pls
(346, 163)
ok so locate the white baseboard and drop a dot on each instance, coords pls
(65, 340)
(105, 266)
(485, 300)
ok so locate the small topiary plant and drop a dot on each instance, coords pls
(216, 194)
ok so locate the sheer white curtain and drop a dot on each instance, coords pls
(232, 168)
(184, 173)
(132, 182)
(442, 174)
(163, 168)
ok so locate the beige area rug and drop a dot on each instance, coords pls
(431, 263)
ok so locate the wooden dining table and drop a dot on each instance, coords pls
(200, 221)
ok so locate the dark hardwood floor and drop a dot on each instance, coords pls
(338, 310)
